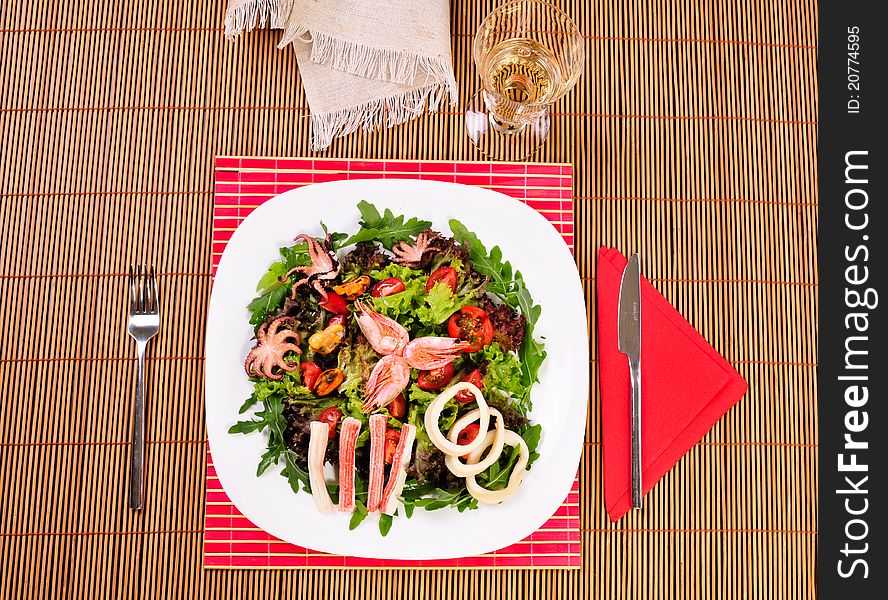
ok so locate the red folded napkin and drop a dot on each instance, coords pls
(686, 386)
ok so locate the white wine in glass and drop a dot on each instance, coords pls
(529, 54)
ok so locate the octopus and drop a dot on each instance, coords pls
(323, 267)
(268, 354)
(411, 255)
(389, 339)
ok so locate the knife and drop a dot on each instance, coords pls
(629, 323)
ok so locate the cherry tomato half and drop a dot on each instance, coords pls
(467, 436)
(388, 287)
(464, 396)
(446, 275)
(398, 407)
(335, 304)
(435, 379)
(338, 320)
(472, 325)
(310, 372)
(392, 437)
(331, 417)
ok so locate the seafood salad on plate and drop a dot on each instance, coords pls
(392, 369)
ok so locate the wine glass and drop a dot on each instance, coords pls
(529, 54)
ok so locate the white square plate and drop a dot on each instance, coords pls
(528, 241)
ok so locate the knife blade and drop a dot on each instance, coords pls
(629, 341)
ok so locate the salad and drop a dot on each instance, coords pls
(401, 357)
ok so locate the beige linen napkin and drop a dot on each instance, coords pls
(364, 63)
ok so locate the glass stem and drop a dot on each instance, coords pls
(504, 126)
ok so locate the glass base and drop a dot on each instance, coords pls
(497, 141)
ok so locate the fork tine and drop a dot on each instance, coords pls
(140, 305)
(144, 288)
(133, 295)
(154, 303)
(149, 290)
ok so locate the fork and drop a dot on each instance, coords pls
(144, 321)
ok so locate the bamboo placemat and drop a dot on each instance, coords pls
(692, 135)
(242, 184)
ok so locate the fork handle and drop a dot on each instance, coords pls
(136, 482)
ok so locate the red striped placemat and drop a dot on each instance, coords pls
(241, 185)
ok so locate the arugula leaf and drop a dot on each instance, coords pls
(248, 403)
(497, 476)
(385, 524)
(510, 287)
(271, 417)
(247, 426)
(266, 303)
(387, 228)
(531, 436)
(269, 457)
(360, 487)
(532, 355)
(425, 496)
(358, 516)
(491, 265)
(439, 499)
(294, 474)
(336, 238)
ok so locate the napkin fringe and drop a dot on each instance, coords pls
(370, 116)
(385, 64)
(256, 13)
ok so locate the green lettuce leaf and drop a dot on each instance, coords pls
(418, 402)
(421, 312)
(504, 375)
(438, 304)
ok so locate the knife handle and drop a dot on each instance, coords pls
(635, 416)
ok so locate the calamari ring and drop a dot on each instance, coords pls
(433, 413)
(486, 496)
(461, 469)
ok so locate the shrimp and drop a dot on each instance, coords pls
(385, 335)
(428, 353)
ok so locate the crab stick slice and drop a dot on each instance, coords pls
(348, 435)
(377, 462)
(317, 448)
(398, 474)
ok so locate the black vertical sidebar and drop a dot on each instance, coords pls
(852, 62)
